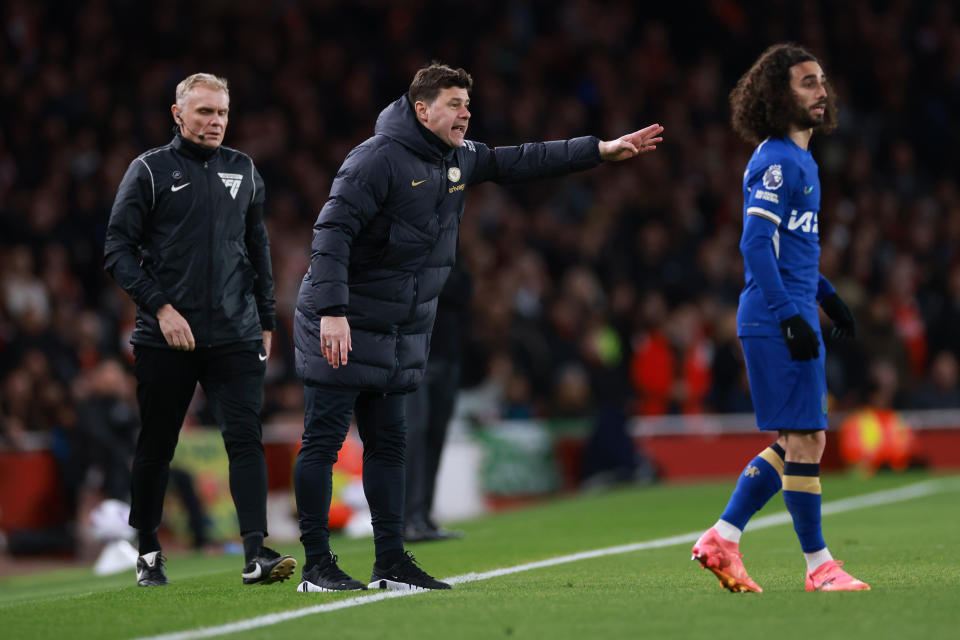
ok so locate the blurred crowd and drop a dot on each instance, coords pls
(616, 288)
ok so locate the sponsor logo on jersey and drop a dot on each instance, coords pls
(807, 190)
(751, 471)
(459, 187)
(232, 182)
(766, 195)
(806, 221)
(773, 177)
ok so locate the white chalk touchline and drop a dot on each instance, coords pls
(908, 492)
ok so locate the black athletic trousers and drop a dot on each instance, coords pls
(232, 378)
(428, 415)
(326, 421)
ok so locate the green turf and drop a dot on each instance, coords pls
(903, 549)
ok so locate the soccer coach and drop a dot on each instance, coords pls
(383, 246)
(186, 240)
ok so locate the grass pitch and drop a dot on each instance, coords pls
(905, 550)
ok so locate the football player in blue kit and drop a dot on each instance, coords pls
(778, 105)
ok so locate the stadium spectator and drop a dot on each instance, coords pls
(104, 438)
(203, 252)
(942, 391)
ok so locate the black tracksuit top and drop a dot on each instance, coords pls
(187, 229)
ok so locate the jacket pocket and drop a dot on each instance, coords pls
(408, 244)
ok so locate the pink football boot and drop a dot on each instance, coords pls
(722, 557)
(830, 577)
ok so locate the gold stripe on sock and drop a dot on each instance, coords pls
(803, 484)
(774, 459)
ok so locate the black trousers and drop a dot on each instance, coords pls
(428, 415)
(232, 378)
(326, 421)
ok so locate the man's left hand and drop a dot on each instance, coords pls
(632, 144)
(844, 325)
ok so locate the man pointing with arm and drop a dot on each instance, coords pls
(383, 246)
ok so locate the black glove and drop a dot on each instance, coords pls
(801, 338)
(844, 326)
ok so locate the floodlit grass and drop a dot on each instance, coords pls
(905, 550)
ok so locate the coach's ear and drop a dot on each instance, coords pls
(421, 108)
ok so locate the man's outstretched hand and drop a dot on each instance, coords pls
(632, 144)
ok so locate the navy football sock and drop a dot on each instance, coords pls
(801, 493)
(760, 481)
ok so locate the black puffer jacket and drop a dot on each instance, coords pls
(385, 241)
(187, 229)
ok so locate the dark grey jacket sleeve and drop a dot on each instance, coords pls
(357, 194)
(535, 160)
(121, 251)
(258, 249)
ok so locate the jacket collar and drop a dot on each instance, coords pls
(192, 149)
(399, 122)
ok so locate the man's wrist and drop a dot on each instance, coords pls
(336, 311)
(786, 312)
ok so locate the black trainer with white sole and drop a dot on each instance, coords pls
(328, 577)
(268, 567)
(150, 571)
(405, 575)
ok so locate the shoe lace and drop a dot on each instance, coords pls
(410, 565)
(832, 572)
(332, 571)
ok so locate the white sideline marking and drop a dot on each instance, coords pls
(889, 496)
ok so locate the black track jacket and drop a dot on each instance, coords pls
(385, 241)
(187, 229)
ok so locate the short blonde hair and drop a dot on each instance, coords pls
(205, 79)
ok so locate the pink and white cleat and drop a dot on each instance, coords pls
(830, 577)
(722, 557)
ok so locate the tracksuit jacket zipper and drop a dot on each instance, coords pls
(210, 230)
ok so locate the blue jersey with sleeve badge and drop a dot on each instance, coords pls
(781, 203)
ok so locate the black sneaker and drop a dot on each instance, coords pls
(268, 567)
(150, 572)
(404, 576)
(328, 577)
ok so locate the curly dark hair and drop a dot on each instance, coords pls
(763, 105)
(431, 79)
